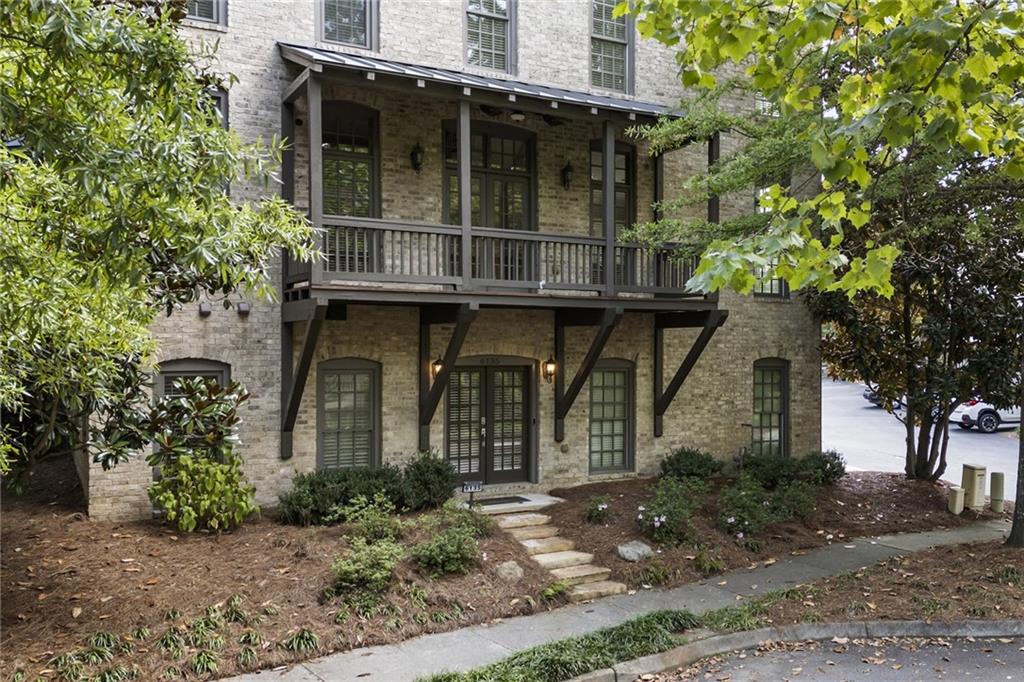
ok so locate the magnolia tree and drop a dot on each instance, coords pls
(865, 90)
(113, 209)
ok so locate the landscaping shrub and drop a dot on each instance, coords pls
(666, 517)
(371, 520)
(824, 468)
(454, 515)
(795, 500)
(453, 550)
(690, 462)
(429, 480)
(200, 493)
(315, 497)
(771, 471)
(367, 566)
(745, 507)
(708, 564)
(598, 511)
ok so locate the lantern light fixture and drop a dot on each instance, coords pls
(567, 172)
(416, 157)
(548, 369)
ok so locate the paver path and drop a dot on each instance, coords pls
(535, 532)
(482, 644)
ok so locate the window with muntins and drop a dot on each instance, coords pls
(771, 408)
(625, 189)
(349, 22)
(610, 67)
(501, 177)
(205, 10)
(167, 383)
(611, 416)
(348, 414)
(489, 34)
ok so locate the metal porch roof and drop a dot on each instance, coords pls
(330, 58)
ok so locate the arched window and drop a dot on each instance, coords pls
(771, 408)
(348, 413)
(172, 370)
(350, 160)
(612, 416)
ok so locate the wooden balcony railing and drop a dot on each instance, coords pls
(369, 250)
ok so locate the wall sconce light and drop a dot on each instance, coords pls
(567, 171)
(243, 308)
(517, 116)
(205, 309)
(416, 157)
(435, 368)
(548, 369)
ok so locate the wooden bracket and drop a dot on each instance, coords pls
(430, 393)
(293, 383)
(710, 321)
(564, 398)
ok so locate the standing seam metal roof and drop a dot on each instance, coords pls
(451, 77)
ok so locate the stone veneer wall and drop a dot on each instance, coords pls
(553, 49)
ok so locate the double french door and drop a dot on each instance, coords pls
(488, 423)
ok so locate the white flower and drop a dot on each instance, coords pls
(602, 507)
(657, 523)
(739, 536)
(641, 508)
(640, 517)
(731, 519)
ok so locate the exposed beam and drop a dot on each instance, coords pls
(608, 207)
(297, 380)
(300, 310)
(430, 398)
(296, 88)
(712, 320)
(565, 397)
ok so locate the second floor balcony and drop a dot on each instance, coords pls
(424, 179)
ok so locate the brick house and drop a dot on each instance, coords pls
(469, 163)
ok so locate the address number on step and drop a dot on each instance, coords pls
(473, 486)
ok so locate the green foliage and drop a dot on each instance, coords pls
(690, 462)
(117, 673)
(745, 508)
(316, 496)
(302, 640)
(707, 563)
(201, 493)
(428, 481)
(454, 514)
(574, 656)
(250, 638)
(114, 202)
(554, 591)
(665, 518)
(794, 501)
(453, 550)
(172, 642)
(772, 471)
(598, 510)
(824, 468)
(247, 657)
(654, 572)
(205, 662)
(366, 566)
(371, 520)
(69, 667)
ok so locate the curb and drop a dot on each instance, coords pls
(714, 645)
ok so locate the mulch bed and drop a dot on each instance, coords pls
(861, 504)
(65, 578)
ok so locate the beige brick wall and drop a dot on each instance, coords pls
(553, 43)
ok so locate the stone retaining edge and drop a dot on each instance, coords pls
(714, 645)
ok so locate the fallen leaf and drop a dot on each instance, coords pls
(76, 612)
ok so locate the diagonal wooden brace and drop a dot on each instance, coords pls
(565, 397)
(430, 394)
(710, 321)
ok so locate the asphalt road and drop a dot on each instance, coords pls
(872, 439)
(889, 659)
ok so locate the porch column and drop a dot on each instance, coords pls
(608, 195)
(714, 151)
(465, 193)
(316, 165)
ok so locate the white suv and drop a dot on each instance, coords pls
(986, 417)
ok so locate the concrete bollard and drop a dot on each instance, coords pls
(998, 499)
(956, 500)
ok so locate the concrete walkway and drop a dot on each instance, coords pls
(482, 644)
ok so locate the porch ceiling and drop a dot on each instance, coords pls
(317, 59)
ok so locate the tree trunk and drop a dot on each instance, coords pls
(1016, 538)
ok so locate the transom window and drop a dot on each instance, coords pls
(351, 22)
(348, 414)
(213, 11)
(610, 40)
(501, 177)
(171, 372)
(611, 416)
(771, 408)
(489, 34)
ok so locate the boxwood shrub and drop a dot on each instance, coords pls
(315, 497)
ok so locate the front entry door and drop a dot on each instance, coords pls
(488, 423)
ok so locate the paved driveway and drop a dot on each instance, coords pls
(873, 439)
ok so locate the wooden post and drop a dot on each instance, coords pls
(316, 166)
(714, 151)
(465, 192)
(608, 195)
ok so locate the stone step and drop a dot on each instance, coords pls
(588, 591)
(563, 559)
(584, 573)
(533, 532)
(507, 521)
(547, 545)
